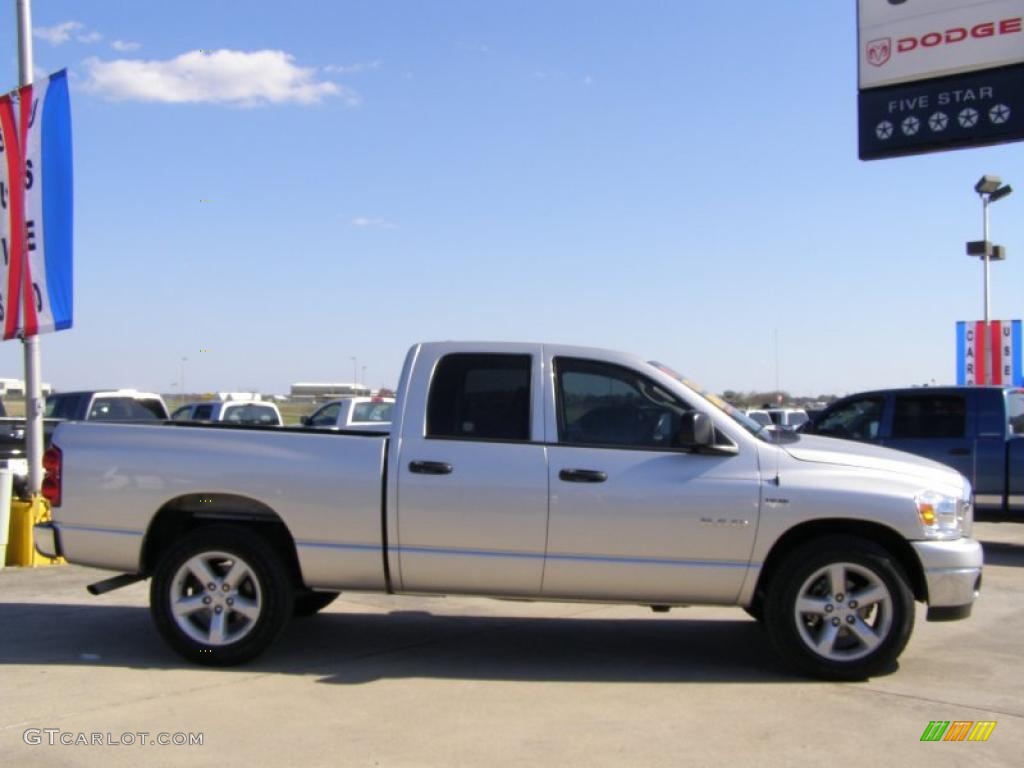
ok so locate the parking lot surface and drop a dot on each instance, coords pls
(401, 681)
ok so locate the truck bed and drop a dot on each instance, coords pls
(125, 474)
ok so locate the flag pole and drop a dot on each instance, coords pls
(33, 385)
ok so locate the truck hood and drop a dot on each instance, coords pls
(850, 453)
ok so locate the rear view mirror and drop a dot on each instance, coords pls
(695, 431)
(304, 421)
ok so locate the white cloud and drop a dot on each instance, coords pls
(352, 69)
(125, 45)
(242, 78)
(89, 37)
(372, 222)
(58, 33)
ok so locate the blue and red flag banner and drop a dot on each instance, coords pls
(998, 351)
(36, 208)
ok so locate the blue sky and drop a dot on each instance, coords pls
(675, 179)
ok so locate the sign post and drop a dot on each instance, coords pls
(33, 363)
(35, 224)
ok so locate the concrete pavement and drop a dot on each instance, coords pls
(399, 681)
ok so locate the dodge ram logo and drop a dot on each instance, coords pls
(879, 51)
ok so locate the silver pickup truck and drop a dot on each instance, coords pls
(525, 471)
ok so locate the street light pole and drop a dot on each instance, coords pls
(985, 257)
(989, 189)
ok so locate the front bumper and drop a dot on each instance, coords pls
(952, 572)
(46, 539)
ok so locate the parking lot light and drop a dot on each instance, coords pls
(990, 189)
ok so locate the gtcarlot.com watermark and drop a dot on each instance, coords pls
(55, 736)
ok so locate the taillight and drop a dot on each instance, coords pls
(52, 462)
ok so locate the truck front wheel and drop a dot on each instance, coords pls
(220, 596)
(840, 608)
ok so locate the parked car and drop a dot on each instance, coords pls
(231, 411)
(787, 418)
(106, 405)
(760, 415)
(978, 431)
(521, 471)
(353, 413)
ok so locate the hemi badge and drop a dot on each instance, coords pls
(734, 523)
(776, 502)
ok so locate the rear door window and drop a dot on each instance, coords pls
(480, 397)
(929, 416)
(203, 412)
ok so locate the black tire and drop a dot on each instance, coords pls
(253, 611)
(308, 602)
(849, 633)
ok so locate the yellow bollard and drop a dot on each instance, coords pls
(21, 548)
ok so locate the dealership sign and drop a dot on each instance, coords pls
(939, 74)
(997, 351)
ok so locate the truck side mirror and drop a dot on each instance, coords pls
(304, 421)
(695, 431)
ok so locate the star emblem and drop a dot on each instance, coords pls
(999, 114)
(910, 125)
(968, 117)
(938, 121)
(884, 130)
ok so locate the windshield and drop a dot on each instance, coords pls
(734, 413)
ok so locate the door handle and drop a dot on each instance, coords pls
(960, 452)
(430, 467)
(582, 476)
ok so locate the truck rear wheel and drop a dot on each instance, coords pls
(840, 608)
(220, 596)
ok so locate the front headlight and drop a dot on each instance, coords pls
(941, 516)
